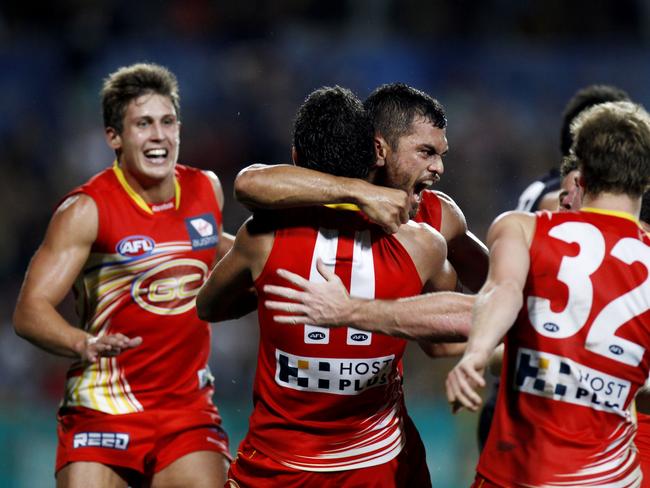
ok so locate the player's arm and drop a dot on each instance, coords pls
(50, 275)
(441, 277)
(439, 316)
(228, 292)
(226, 240)
(286, 186)
(465, 251)
(497, 305)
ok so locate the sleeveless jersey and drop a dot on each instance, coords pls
(430, 210)
(575, 357)
(331, 399)
(141, 279)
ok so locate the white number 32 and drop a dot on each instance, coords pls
(575, 272)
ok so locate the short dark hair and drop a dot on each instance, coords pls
(332, 133)
(583, 99)
(612, 144)
(393, 108)
(131, 82)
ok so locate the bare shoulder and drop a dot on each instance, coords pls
(78, 208)
(419, 238)
(513, 222)
(75, 219)
(214, 179)
(216, 185)
(453, 220)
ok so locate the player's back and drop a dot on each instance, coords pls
(331, 399)
(575, 357)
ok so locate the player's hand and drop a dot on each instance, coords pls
(326, 303)
(109, 345)
(464, 380)
(386, 207)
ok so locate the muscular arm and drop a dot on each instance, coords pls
(228, 293)
(51, 273)
(285, 186)
(465, 251)
(440, 316)
(497, 305)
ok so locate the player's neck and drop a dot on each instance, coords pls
(154, 191)
(611, 201)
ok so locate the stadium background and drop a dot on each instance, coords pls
(503, 69)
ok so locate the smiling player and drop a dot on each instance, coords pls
(136, 249)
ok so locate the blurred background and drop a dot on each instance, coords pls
(503, 69)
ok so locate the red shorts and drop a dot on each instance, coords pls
(146, 442)
(481, 482)
(252, 469)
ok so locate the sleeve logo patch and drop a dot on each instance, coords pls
(202, 230)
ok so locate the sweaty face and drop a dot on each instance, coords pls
(570, 193)
(148, 144)
(416, 162)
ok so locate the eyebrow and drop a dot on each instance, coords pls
(429, 147)
(151, 117)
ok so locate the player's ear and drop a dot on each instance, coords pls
(113, 138)
(381, 150)
(580, 181)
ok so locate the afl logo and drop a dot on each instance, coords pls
(359, 337)
(614, 349)
(170, 288)
(551, 327)
(316, 336)
(135, 246)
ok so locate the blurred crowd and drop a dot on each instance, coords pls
(503, 69)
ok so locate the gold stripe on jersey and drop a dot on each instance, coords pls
(343, 206)
(136, 197)
(99, 388)
(106, 285)
(614, 213)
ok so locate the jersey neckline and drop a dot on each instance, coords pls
(136, 197)
(613, 213)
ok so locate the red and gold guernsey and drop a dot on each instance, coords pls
(141, 279)
(331, 399)
(430, 209)
(575, 357)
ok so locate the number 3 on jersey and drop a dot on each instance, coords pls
(575, 272)
(362, 280)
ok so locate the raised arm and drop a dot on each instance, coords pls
(497, 305)
(50, 276)
(228, 292)
(465, 251)
(285, 186)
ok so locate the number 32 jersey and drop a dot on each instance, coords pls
(575, 357)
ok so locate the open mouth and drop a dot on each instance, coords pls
(422, 185)
(156, 156)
